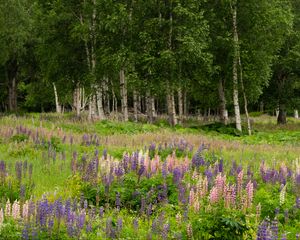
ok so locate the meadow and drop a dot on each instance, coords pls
(67, 178)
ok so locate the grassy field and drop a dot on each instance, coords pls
(60, 150)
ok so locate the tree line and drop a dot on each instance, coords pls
(174, 57)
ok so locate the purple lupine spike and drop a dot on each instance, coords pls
(143, 205)
(25, 232)
(18, 168)
(88, 227)
(298, 236)
(101, 212)
(297, 179)
(22, 191)
(298, 202)
(164, 170)
(274, 228)
(135, 224)
(104, 154)
(80, 220)
(165, 231)
(221, 165)
(177, 175)
(119, 224)
(118, 200)
(149, 210)
(85, 204)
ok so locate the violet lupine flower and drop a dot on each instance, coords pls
(135, 224)
(109, 230)
(104, 154)
(22, 191)
(197, 159)
(88, 227)
(143, 205)
(298, 236)
(101, 212)
(165, 231)
(298, 202)
(221, 166)
(118, 200)
(176, 175)
(119, 171)
(262, 233)
(149, 210)
(25, 232)
(80, 220)
(119, 224)
(274, 229)
(297, 179)
(18, 168)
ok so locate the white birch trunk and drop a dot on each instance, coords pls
(180, 105)
(235, 74)
(123, 90)
(135, 105)
(100, 104)
(296, 115)
(57, 105)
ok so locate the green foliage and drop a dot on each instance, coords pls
(220, 224)
(19, 138)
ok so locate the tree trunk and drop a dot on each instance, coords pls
(296, 115)
(281, 119)
(135, 105)
(235, 73)
(245, 97)
(223, 112)
(100, 109)
(11, 75)
(77, 100)
(57, 105)
(12, 94)
(123, 90)
(171, 108)
(185, 105)
(180, 105)
(150, 107)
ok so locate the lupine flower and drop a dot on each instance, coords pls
(165, 231)
(119, 224)
(118, 200)
(1, 216)
(282, 195)
(25, 234)
(16, 210)
(8, 208)
(178, 219)
(189, 231)
(258, 212)
(274, 228)
(101, 212)
(240, 182)
(249, 190)
(135, 224)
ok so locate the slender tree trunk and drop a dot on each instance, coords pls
(11, 75)
(180, 105)
(296, 115)
(135, 105)
(12, 94)
(150, 107)
(185, 105)
(57, 105)
(100, 103)
(261, 106)
(223, 112)
(245, 97)
(281, 119)
(234, 71)
(123, 90)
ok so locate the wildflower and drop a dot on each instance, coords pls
(1, 216)
(189, 231)
(240, 182)
(249, 190)
(282, 195)
(8, 208)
